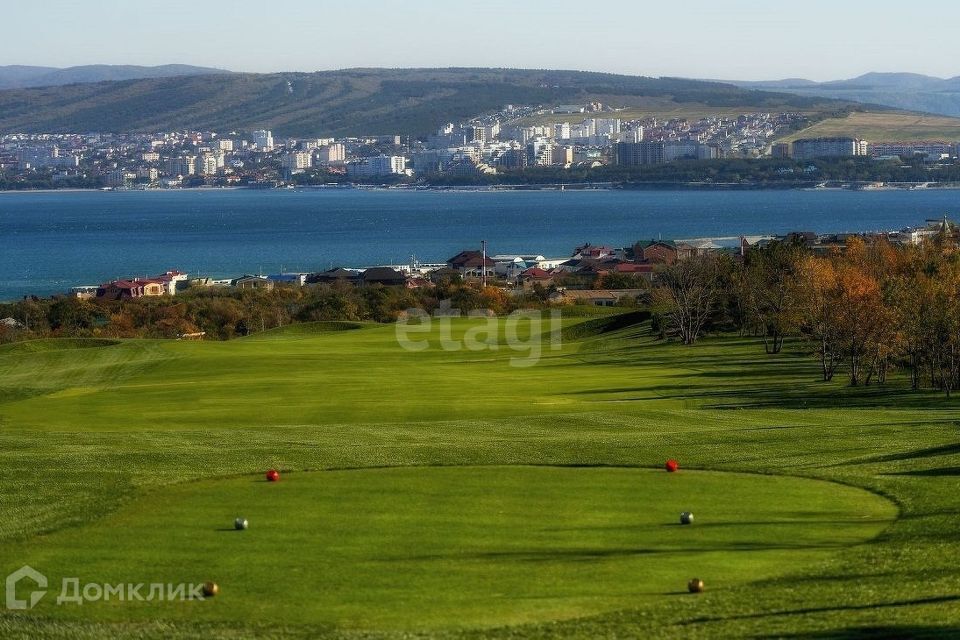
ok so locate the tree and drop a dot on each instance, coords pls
(818, 293)
(687, 294)
(770, 292)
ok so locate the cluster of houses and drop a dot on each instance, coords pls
(516, 272)
(564, 280)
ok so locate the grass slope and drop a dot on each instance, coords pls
(99, 446)
(886, 127)
(348, 102)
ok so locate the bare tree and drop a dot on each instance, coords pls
(687, 294)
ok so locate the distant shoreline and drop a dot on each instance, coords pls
(497, 188)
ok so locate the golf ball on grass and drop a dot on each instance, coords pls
(671, 465)
(695, 585)
(240, 524)
(686, 518)
(273, 475)
(210, 589)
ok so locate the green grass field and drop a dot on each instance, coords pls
(892, 126)
(449, 494)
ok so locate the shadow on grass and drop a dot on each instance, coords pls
(930, 473)
(767, 393)
(721, 375)
(929, 452)
(811, 610)
(810, 519)
(584, 555)
(879, 633)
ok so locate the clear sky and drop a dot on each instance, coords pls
(732, 39)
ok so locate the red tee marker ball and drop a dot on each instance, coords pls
(273, 475)
(672, 465)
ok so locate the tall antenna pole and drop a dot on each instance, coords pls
(483, 265)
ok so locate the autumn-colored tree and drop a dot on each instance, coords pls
(819, 294)
(861, 318)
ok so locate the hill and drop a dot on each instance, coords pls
(19, 76)
(353, 101)
(911, 91)
(892, 126)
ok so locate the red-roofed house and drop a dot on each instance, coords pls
(120, 290)
(590, 251)
(535, 275)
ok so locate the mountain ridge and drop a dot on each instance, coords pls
(27, 76)
(910, 91)
(350, 101)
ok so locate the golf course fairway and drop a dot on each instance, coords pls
(408, 548)
(452, 494)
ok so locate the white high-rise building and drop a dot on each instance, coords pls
(334, 153)
(377, 166)
(632, 136)
(297, 161)
(263, 140)
(609, 127)
(207, 164)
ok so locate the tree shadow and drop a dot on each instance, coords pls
(591, 555)
(928, 452)
(930, 473)
(879, 633)
(812, 610)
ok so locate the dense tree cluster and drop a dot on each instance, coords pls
(228, 313)
(865, 310)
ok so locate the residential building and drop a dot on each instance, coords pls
(780, 150)
(39, 157)
(632, 154)
(471, 263)
(252, 282)
(263, 140)
(386, 276)
(931, 150)
(562, 156)
(377, 166)
(811, 148)
(297, 161)
(148, 173)
(207, 165)
(183, 166)
(334, 154)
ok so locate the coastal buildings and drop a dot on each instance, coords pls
(633, 154)
(482, 150)
(297, 161)
(813, 148)
(930, 151)
(333, 153)
(46, 156)
(377, 166)
(263, 140)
